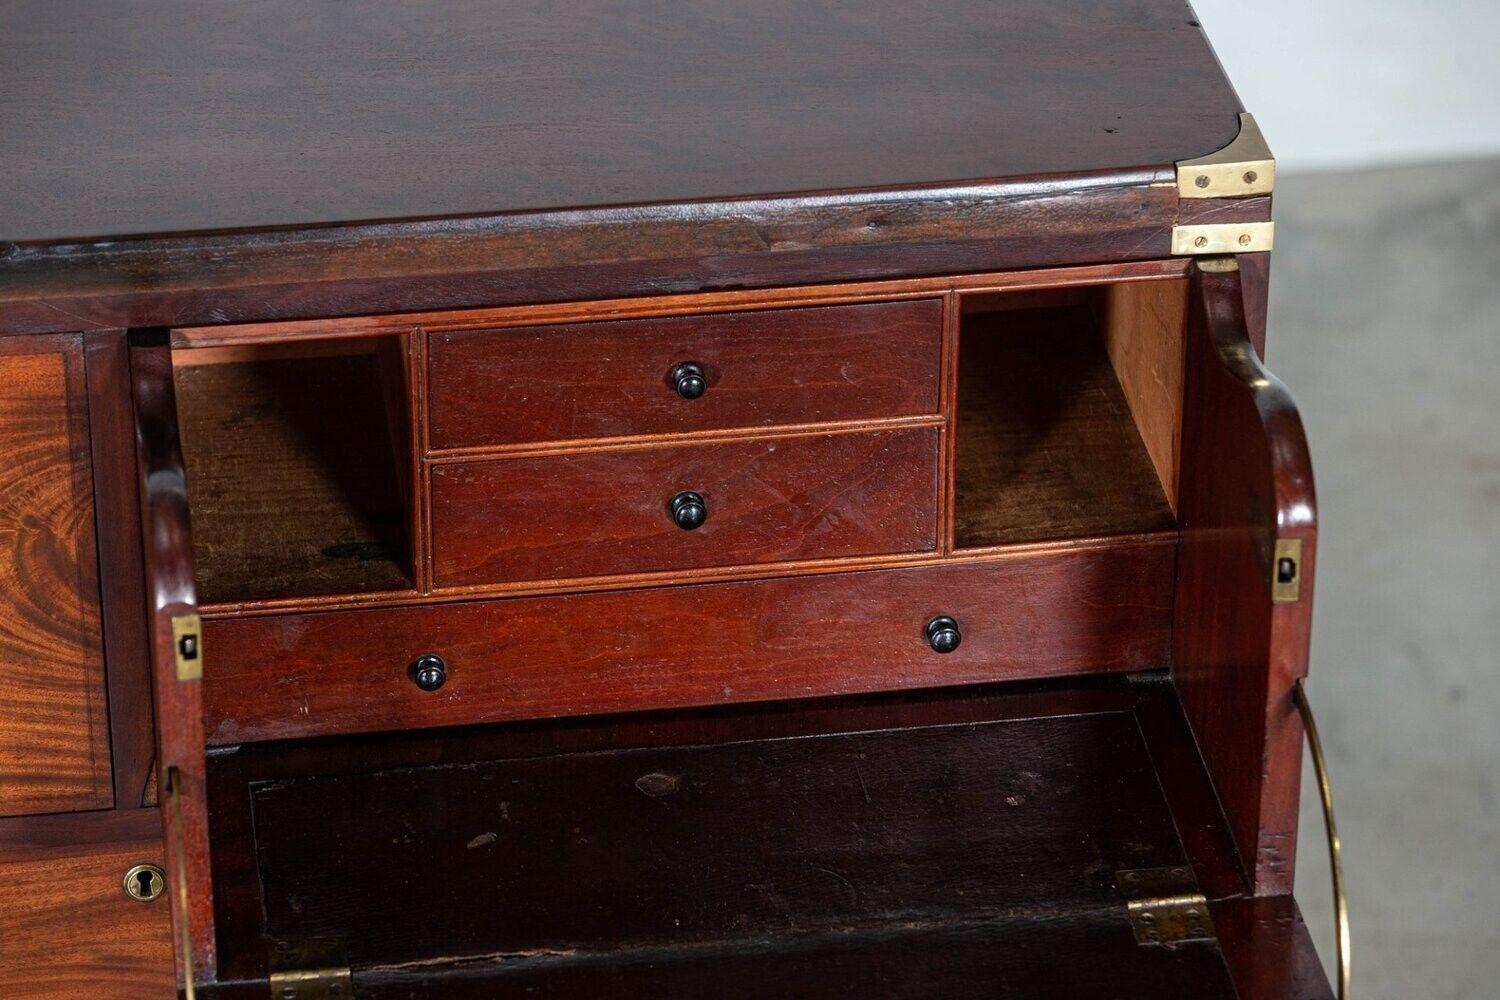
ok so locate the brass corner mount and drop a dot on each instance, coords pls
(1243, 168)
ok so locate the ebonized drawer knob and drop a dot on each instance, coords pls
(428, 672)
(943, 634)
(688, 379)
(689, 510)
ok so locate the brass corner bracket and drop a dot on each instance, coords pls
(1243, 168)
(1223, 238)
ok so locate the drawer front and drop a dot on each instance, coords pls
(67, 928)
(605, 513)
(607, 379)
(1073, 611)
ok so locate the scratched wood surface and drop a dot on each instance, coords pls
(840, 853)
(281, 114)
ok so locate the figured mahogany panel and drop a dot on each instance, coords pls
(54, 724)
(1069, 610)
(596, 513)
(67, 928)
(785, 366)
(1246, 480)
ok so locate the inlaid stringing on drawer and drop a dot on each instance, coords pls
(610, 512)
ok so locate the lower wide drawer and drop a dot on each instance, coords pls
(1050, 613)
(605, 513)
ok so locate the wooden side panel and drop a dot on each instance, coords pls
(1269, 949)
(54, 726)
(1053, 613)
(609, 512)
(67, 929)
(1246, 480)
(1143, 331)
(132, 729)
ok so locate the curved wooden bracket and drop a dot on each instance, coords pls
(1246, 490)
(176, 648)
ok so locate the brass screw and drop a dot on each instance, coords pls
(1250, 176)
(1202, 180)
(1201, 241)
(1244, 239)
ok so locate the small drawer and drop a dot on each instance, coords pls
(612, 512)
(631, 377)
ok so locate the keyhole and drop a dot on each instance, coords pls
(1286, 570)
(145, 882)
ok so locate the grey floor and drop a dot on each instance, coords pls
(1385, 324)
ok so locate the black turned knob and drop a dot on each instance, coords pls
(689, 510)
(943, 634)
(689, 380)
(428, 671)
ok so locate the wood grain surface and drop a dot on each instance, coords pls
(609, 512)
(280, 114)
(787, 366)
(1145, 334)
(67, 929)
(54, 722)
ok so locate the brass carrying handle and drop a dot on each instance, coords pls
(1335, 847)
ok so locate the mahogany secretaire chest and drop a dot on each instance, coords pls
(640, 500)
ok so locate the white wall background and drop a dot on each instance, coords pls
(1352, 83)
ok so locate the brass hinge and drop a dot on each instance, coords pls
(1165, 905)
(1286, 571)
(313, 984)
(187, 647)
(1241, 169)
(309, 970)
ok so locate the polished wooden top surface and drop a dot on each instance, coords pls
(160, 117)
